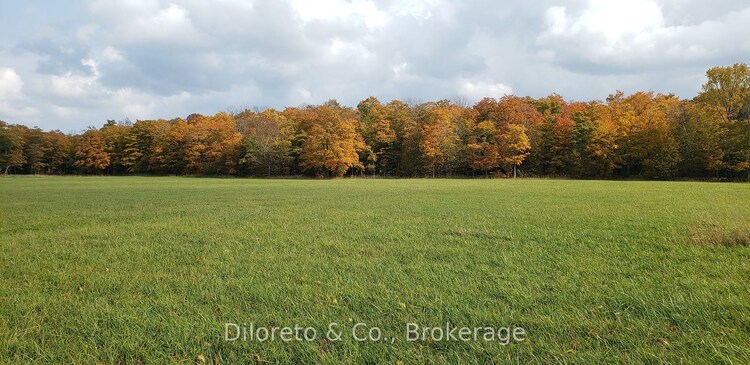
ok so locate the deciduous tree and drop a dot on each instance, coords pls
(91, 152)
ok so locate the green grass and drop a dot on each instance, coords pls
(148, 270)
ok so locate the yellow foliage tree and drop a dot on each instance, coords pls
(332, 143)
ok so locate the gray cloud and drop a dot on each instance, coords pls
(72, 65)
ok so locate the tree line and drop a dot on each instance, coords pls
(642, 135)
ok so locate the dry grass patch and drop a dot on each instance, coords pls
(727, 233)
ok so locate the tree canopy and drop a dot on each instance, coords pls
(644, 135)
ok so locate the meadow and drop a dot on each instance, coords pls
(142, 270)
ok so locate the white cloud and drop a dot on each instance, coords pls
(73, 85)
(635, 34)
(400, 69)
(616, 21)
(146, 21)
(10, 83)
(63, 112)
(12, 103)
(421, 10)
(340, 10)
(476, 90)
(111, 54)
(339, 48)
(607, 30)
(86, 34)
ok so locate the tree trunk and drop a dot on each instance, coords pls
(515, 171)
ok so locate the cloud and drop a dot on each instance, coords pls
(149, 22)
(475, 91)
(340, 10)
(635, 35)
(79, 64)
(10, 83)
(11, 94)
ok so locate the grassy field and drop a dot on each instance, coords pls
(149, 270)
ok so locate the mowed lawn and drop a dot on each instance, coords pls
(149, 269)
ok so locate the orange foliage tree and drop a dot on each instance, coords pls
(91, 152)
(332, 143)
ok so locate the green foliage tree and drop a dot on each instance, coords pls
(727, 90)
(267, 143)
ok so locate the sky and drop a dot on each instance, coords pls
(73, 64)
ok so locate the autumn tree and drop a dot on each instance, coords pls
(11, 146)
(35, 150)
(555, 152)
(332, 142)
(199, 145)
(512, 110)
(515, 146)
(438, 135)
(377, 131)
(222, 144)
(595, 140)
(91, 152)
(145, 147)
(484, 148)
(465, 125)
(115, 137)
(642, 134)
(178, 150)
(406, 158)
(517, 124)
(57, 148)
(644, 120)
